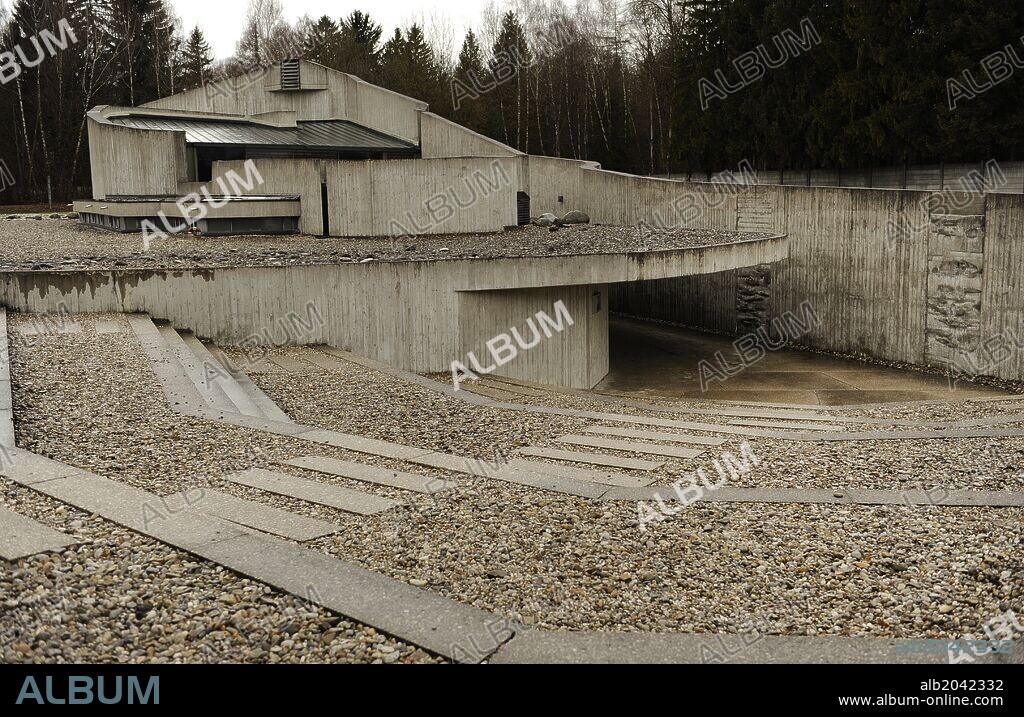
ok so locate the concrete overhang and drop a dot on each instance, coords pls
(573, 270)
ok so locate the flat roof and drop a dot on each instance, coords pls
(316, 134)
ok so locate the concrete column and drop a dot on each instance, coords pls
(575, 356)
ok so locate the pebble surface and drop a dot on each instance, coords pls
(545, 559)
(49, 245)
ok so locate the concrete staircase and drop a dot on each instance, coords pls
(211, 377)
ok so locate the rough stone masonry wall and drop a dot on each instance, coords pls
(956, 269)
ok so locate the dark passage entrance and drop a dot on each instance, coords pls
(523, 208)
(325, 209)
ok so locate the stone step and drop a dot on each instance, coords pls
(615, 445)
(177, 386)
(21, 537)
(597, 459)
(655, 435)
(266, 405)
(326, 362)
(265, 518)
(504, 384)
(290, 364)
(333, 496)
(488, 390)
(371, 474)
(215, 371)
(211, 393)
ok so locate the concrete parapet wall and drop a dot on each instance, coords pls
(412, 315)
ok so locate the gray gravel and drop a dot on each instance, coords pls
(47, 245)
(548, 560)
(122, 598)
(384, 407)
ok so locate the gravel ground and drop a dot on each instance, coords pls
(388, 408)
(61, 244)
(120, 597)
(549, 560)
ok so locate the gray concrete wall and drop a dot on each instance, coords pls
(130, 161)
(576, 357)
(395, 197)
(405, 313)
(444, 138)
(330, 95)
(942, 289)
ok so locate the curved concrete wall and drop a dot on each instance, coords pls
(945, 289)
(406, 313)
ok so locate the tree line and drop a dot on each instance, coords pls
(642, 86)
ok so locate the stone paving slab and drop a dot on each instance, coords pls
(30, 468)
(611, 478)
(504, 472)
(546, 647)
(786, 426)
(653, 449)
(333, 496)
(597, 459)
(265, 518)
(21, 537)
(105, 327)
(457, 464)
(372, 474)
(359, 444)
(290, 364)
(552, 482)
(655, 435)
(136, 509)
(422, 618)
(439, 624)
(859, 496)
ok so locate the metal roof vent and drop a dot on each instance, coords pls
(290, 79)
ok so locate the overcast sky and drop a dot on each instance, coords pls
(221, 20)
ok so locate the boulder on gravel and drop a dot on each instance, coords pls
(576, 217)
(545, 220)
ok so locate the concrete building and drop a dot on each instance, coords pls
(312, 150)
(342, 157)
